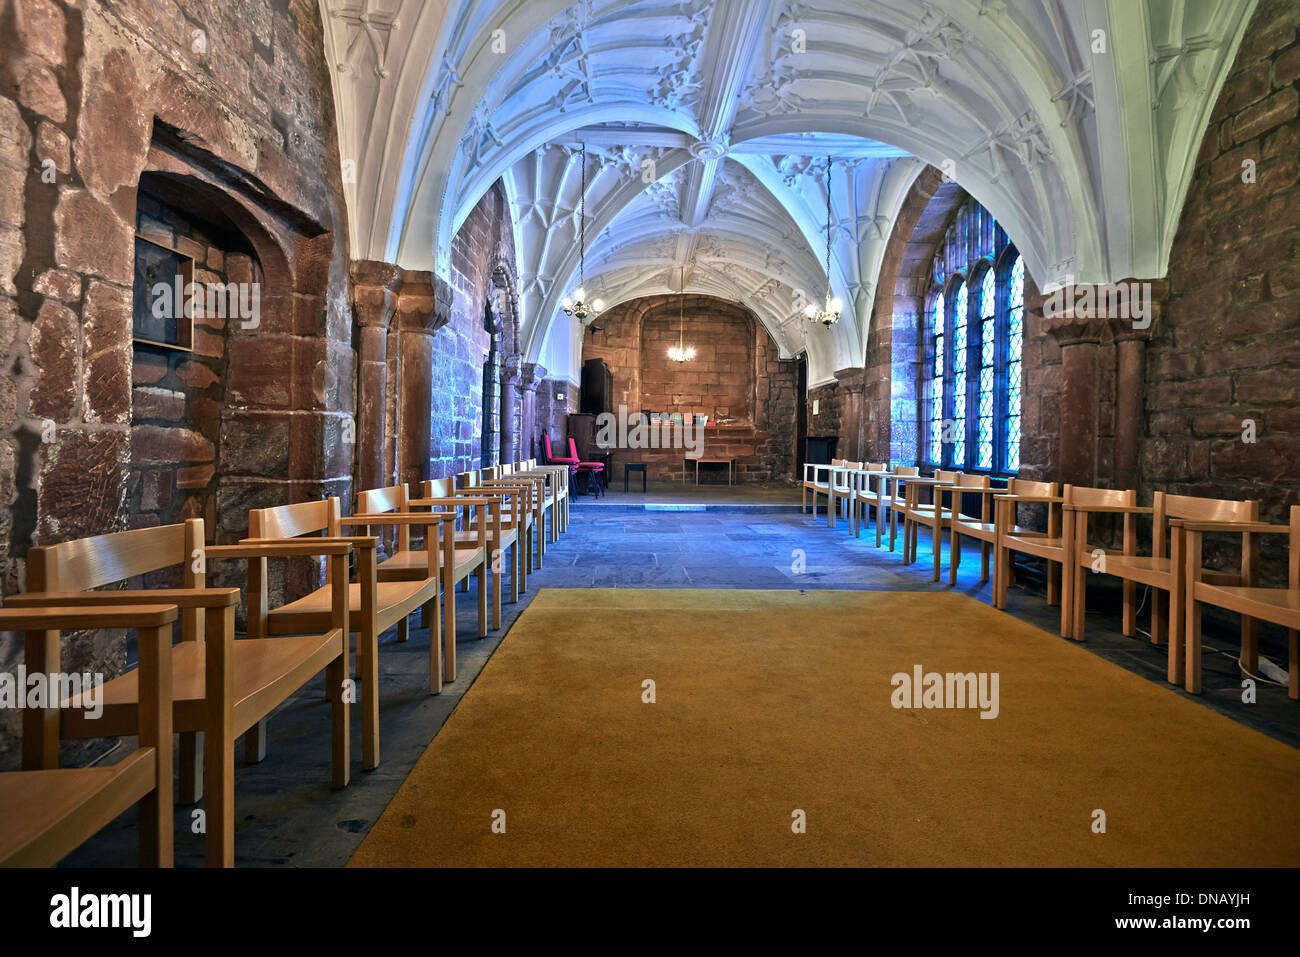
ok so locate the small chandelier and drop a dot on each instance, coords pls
(577, 305)
(831, 313)
(681, 352)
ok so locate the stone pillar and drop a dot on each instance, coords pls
(1130, 409)
(511, 400)
(530, 377)
(423, 307)
(852, 385)
(374, 302)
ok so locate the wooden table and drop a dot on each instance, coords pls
(730, 468)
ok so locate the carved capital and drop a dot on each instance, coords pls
(531, 376)
(852, 380)
(423, 302)
(1112, 312)
(374, 291)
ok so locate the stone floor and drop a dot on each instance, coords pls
(287, 814)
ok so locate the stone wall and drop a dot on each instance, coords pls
(233, 102)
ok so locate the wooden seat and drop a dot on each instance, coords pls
(1050, 545)
(869, 487)
(1160, 571)
(932, 514)
(361, 608)
(45, 814)
(467, 555)
(1281, 606)
(503, 532)
(841, 489)
(209, 668)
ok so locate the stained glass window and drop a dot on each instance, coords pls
(959, 322)
(977, 312)
(936, 372)
(984, 437)
(1015, 331)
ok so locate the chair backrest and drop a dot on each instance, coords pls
(438, 488)
(874, 466)
(88, 563)
(973, 481)
(292, 521)
(546, 448)
(467, 479)
(376, 501)
(1195, 509)
(490, 474)
(1086, 495)
(904, 471)
(1016, 486)
(573, 450)
(508, 469)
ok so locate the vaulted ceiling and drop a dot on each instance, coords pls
(708, 125)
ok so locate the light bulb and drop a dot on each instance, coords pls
(568, 303)
(582, 294)
(598, 305)
(836, 305)
(811, 311)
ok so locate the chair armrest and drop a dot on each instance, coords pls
(44, 618)
(181, 597)
(398, 518)
(1111, 509)
(1256, 528)
(283, 548)
(454, 500)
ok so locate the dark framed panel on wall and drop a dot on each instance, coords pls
(162, 312)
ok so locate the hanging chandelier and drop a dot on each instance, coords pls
(577, 305)
(681, 352)
(830, 314)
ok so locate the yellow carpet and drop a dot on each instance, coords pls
(768, 702)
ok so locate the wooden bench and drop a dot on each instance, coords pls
(46, 814)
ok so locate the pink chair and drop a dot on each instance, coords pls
(572, 460)
(595, 470)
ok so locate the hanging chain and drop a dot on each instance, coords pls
(582, 222)
(828, 232)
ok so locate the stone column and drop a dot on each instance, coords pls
(374, 302)
(423, 307)
(852, 384)
(530, 377)
(511, 400)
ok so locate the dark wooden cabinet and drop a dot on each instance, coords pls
(597, 387)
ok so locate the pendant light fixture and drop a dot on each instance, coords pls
(577, 305)
(830, 314)
(681, 352)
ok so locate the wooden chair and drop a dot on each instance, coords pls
(1051, 545)
(896, 495)
(469, 554)
(1160, 571)
(46, 814)
(543, 498)
(937, 520)
(841, 488)
(372, 606)
(222, 687)
(1281, 606)
(869, 485)
(503, 529)
(979, 527)
(930, 514)
(811, 483)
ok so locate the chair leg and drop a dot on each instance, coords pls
(1293, 659)
(954, 554)
(255, 743)
(1080, 610)
(482, 589)
(1130, 609)
(1067, 601)
(803, 504)
(985, 550)
(1250, 644)
(438, 650)
(340, 726)
(1177, 609)
(936, 541)
(1053, 583)
(403, 630)
(1001, 572)
(1192, 671)
(878, 515)
(514, 570)
(369, 664)
(190, 785)
(1158, 598)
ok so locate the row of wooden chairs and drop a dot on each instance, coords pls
(221, 688)
(1172, 566)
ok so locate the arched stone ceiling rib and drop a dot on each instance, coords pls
(1076, 122)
